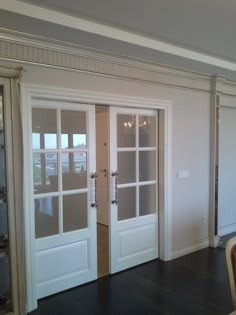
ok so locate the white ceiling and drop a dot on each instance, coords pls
(203, 26)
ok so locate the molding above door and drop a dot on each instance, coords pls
(29, 49)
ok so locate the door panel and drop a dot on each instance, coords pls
(63, 150)
(102, 164)
(134, 190)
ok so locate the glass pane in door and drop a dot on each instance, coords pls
(126, 131)
(126, 167)
(126, 203)
(44, 128)
(147, 131)
(73, 129)
(147, 199)
(45, 168)
(74, 170)
(147, 165)
(46, 216)
(75, 212)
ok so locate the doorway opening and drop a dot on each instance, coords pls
(102, 167)
(133, 150)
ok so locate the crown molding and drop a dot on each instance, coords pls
(20, 47)
(24, 48)
(109, 31)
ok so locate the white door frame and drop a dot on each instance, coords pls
(29, 92)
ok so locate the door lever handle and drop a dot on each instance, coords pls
(104, 170)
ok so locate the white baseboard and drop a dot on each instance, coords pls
(190, 248)
(227, 229)
(214, 241)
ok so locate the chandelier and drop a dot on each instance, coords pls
(143, 125)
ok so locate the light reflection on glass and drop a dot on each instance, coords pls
(75, 212)
(74, 169)
(44, 128)
(147, 199)
(73, 129)
(46, 216)
(45, 167)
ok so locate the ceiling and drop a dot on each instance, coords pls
(199, 34)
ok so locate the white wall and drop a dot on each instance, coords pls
(190, 145)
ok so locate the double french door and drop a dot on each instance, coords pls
(64, 192)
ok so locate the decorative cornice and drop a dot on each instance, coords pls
(25, 48)
(222, 86)
(113, 32)
(229, 88)
(10, 72)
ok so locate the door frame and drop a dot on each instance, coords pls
(13, 158)
(30, 92)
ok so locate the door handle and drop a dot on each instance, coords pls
(93, 177)
(114, 176)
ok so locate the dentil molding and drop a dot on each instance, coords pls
(25, 48)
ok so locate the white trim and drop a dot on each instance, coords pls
(35, 91)
(214, 241)
(112, 32)
(14, 208)
(224, 230)
(89, 97)
(213, 204)
(188, 249)
(20, 48)
(30, 261)
(25, 48)
(227, 101)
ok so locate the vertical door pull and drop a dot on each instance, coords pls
(114, 176)
(93, 177)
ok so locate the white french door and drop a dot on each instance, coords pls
(63, 158)
(134, 191)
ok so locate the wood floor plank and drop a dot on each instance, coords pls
(194, 284)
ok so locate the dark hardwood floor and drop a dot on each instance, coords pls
(193, 284)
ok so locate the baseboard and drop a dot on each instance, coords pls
(214, 241)
(190, 248)
(227, 229)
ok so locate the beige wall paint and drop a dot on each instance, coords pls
(190, 142)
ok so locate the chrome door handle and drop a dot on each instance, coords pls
(93, 177)
(114, 176)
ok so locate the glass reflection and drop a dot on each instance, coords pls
(45, 167)
(73, 129)
(126, 131)
(74, 170)
(75, 212)
(147, 131)
(46, 216)
(44, 128)
(147, 199)
(127, 203)
(126, 167)
(147, 165)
